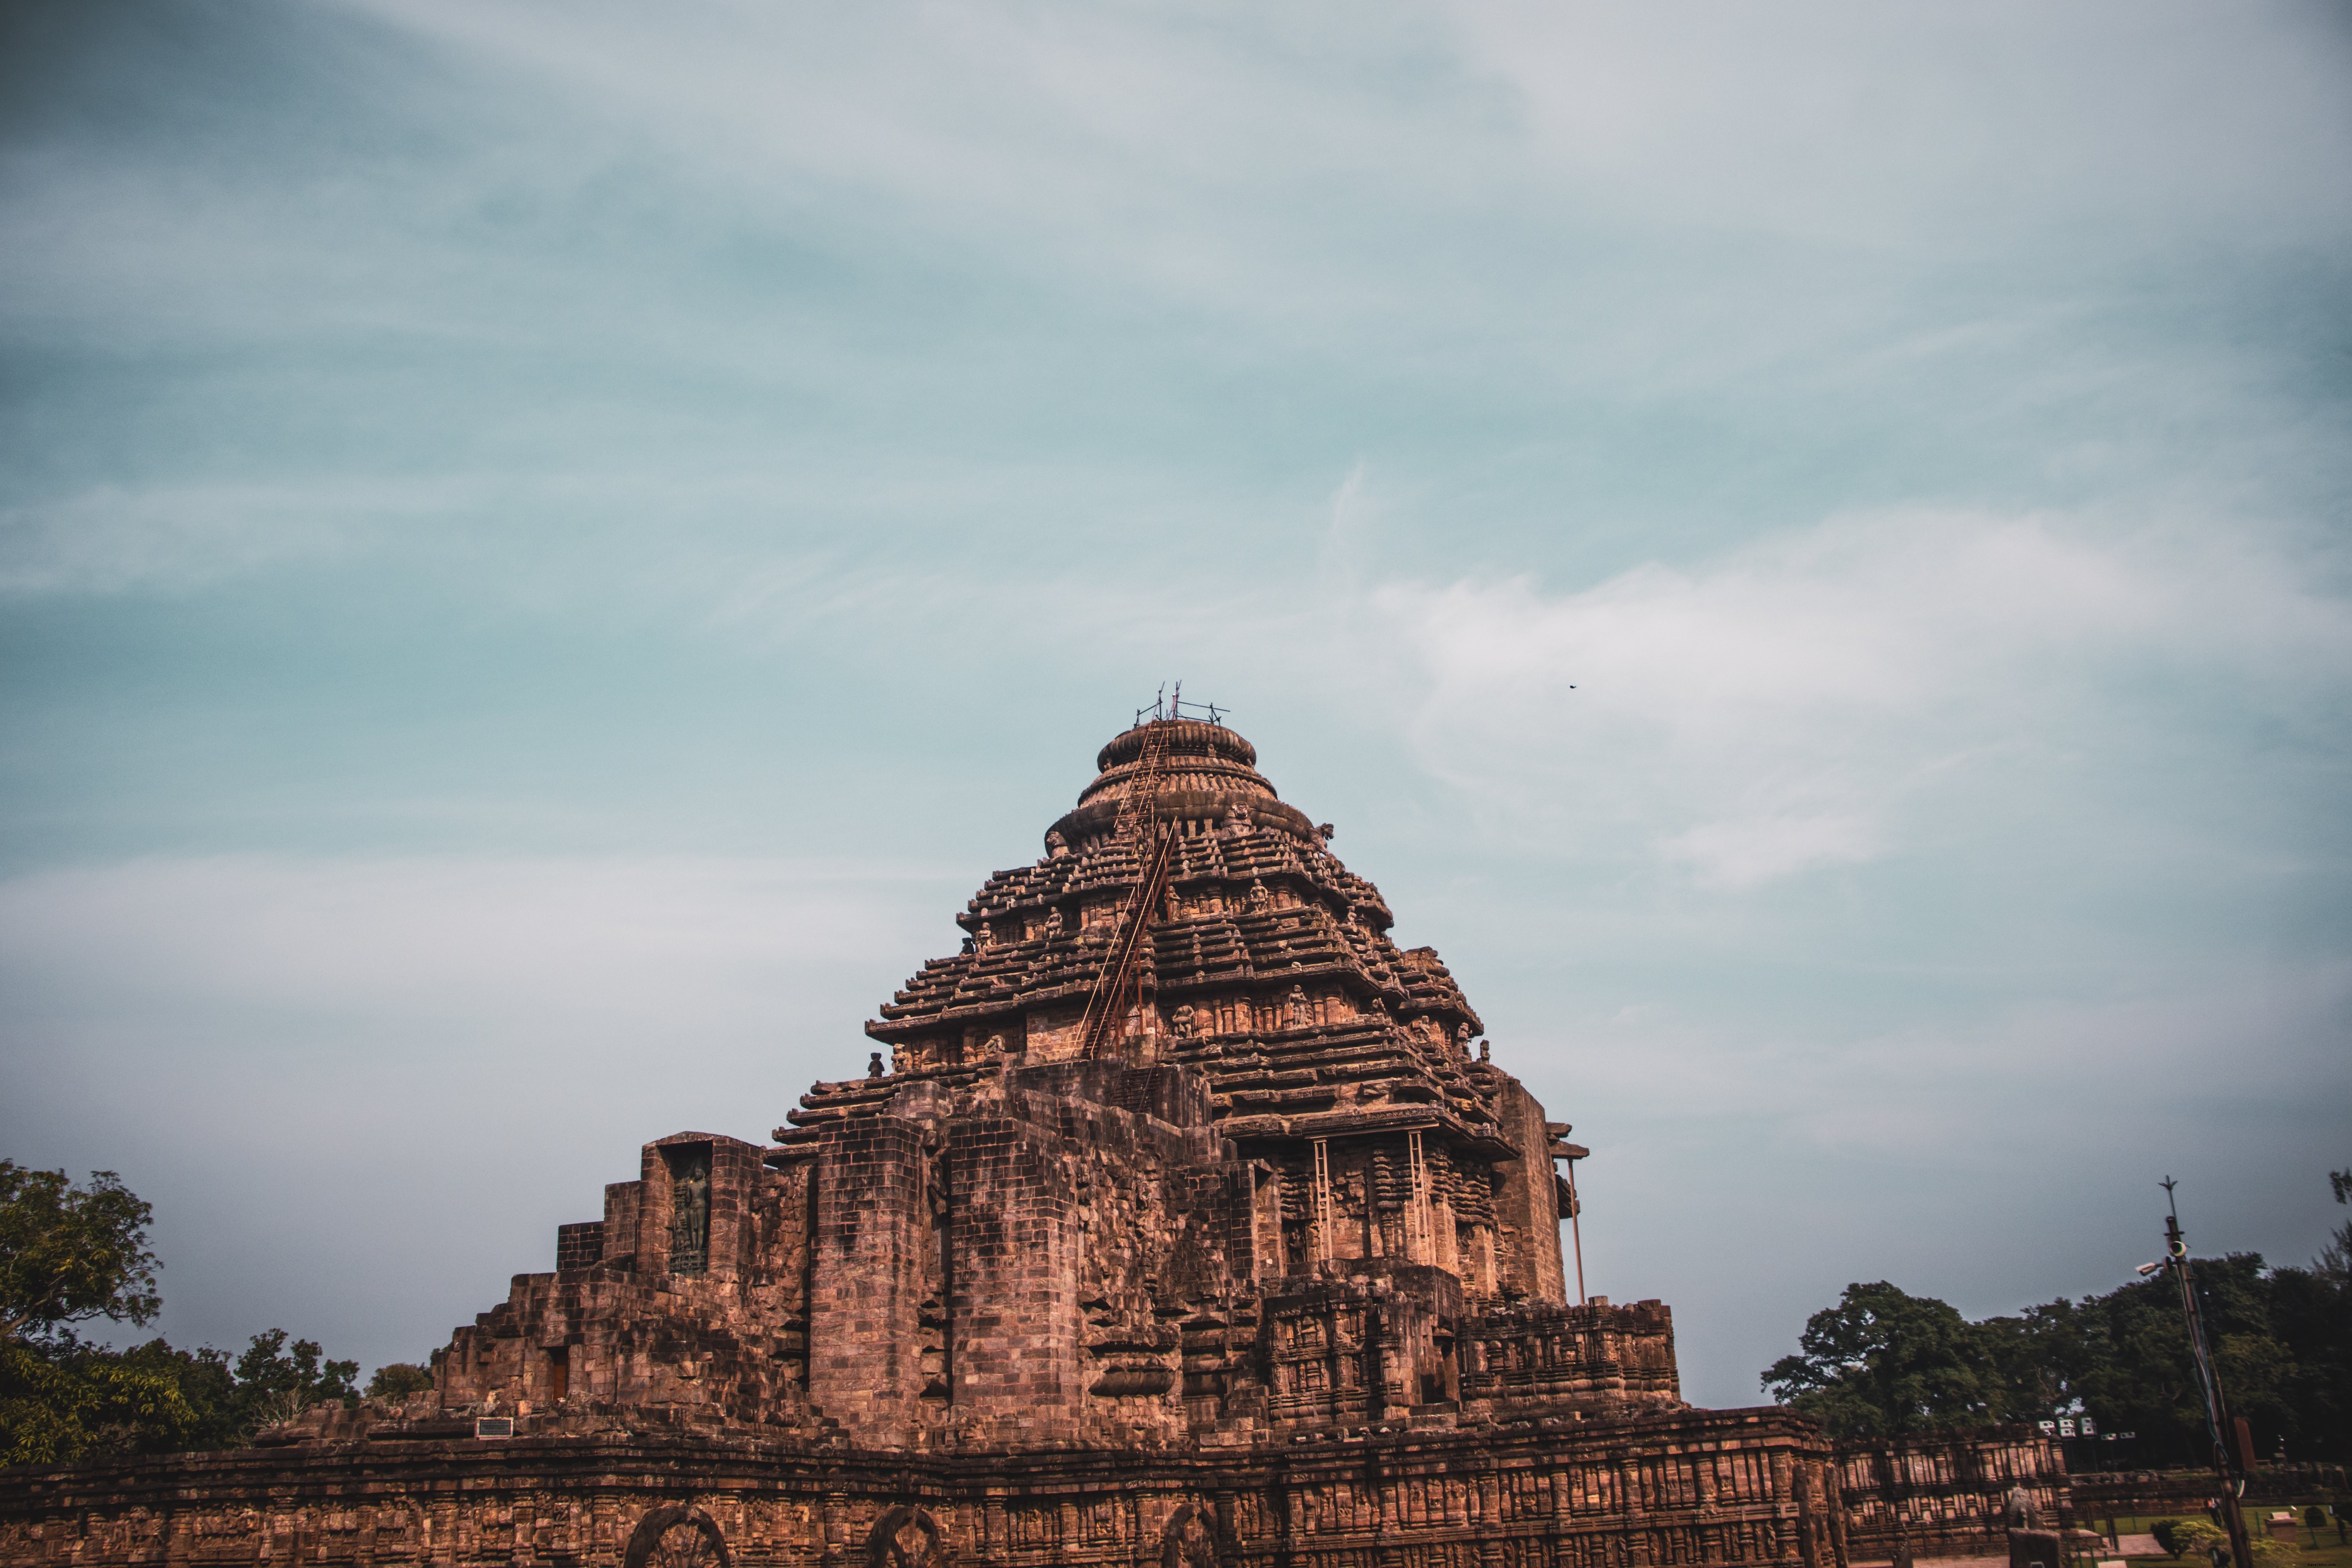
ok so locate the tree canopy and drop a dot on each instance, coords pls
(1882, 1362)
(70, 1254)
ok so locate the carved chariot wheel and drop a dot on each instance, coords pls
(676, 1538)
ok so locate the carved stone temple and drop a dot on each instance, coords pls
(1186, 1222)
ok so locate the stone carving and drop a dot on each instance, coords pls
(675, 1537)
(689, 1230)
(1191, 1540)
(907, 1538)
(1011, 1303)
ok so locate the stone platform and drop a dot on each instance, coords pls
(1691, 1487)
(1189, 1223)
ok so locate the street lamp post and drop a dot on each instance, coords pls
(2229, 1464)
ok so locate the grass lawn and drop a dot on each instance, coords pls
(2327, 1555)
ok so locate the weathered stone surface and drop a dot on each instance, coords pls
(1949, 1495)
(1687, 1486)
(1265, 1267)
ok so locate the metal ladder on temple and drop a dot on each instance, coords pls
(1118, 989)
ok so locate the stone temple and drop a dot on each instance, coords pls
(1187, 1221)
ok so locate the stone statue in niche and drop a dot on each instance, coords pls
(689, 1208)
(987, 934)
(1462, 1038)
(1179, 1023)
(1057, 846)
(873, 1064)
(1302, 1012)
(1259, 898)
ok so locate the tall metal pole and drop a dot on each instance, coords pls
(2218, 1424)
(1576, 1230)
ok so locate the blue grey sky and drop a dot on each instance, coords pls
(545, 550)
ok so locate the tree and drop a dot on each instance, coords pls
(69, 1254)
(273, 1385)
(398, 1381)
(2335, 1259)
(1882, 1362)
(62, 1400)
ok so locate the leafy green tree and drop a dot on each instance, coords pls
(275, 1384)
(1881, 1363)
(62, 1400)
(209, 1383)
(2335, 1259)
(69, 1254)
(398, 1381)
(2167, 1535)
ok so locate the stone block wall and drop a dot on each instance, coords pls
(1749, 1489)
(1589, 1361)
(1946, 1492)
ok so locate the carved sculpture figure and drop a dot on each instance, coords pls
(689, 1230)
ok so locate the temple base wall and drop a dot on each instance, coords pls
(1733, 1487)
(1945, 1494)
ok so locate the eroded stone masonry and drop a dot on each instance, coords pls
(1187, 1220)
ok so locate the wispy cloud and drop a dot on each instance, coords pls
(441, 441)
(1799, 702)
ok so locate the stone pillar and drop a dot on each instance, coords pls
(1018, 1350)
(872, 1224)
(1526, 1200)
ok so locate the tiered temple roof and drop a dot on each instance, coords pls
(1269, 966)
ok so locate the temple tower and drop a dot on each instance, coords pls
(1342, 1062)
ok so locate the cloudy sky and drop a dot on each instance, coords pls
(544, 550)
